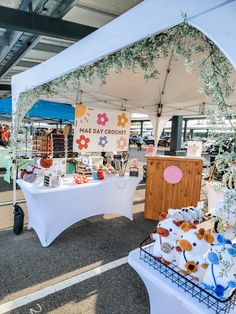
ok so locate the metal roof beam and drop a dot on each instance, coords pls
(16, 57)
(88, 8)
(42, 25)
(26, 64)
(4, 87)
(4, 41)
(49, 48)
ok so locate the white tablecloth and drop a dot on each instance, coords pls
(164, 296)
(52, 210)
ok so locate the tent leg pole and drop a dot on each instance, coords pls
(156, 133)
(14, 167)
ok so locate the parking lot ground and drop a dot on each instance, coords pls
(84, 270)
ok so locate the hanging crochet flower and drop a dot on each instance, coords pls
(122, 120)
(121, 143)
(232, 251)
(219, 291)
(213, 258)
(102, 119)
(82, 142)
(103, 141)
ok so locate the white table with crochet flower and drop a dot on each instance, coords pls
(166, 297)
(52, 210)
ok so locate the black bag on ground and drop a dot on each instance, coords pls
(18, 219)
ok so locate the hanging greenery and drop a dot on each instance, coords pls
(199, 52)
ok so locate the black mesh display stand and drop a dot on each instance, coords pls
(186, 283)
(70, 152)
(58, 146)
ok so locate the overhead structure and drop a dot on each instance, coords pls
(42, 25)
(32, 31)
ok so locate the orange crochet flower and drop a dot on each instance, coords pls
(82, 142)
(208, 237)
(122, 120)
(204, 265)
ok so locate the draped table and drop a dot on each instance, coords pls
(52, 210)
(164, 296)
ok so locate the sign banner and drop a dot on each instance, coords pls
(100, 130)
(194, 149)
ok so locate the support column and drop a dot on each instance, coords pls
(141, 128)
(185, 129)
(191, 134)
(176, 135)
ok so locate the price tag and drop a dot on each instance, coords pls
(46, 181)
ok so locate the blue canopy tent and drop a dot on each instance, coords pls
(42, 111)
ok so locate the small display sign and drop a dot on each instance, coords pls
(150, 151)
(173, 174)
(194, 149)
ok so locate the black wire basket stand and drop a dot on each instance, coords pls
(186, 283)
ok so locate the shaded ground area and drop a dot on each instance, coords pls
(25, 266)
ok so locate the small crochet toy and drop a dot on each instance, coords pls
(80, 179)
(220, 276)
(165, 239)
(189, 214)
(192, 245)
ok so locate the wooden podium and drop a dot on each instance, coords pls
(172, 182)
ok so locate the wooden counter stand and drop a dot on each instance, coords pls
(161, 195)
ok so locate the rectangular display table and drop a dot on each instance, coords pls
(52, 210)
(164, 296)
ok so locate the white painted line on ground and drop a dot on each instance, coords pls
(26, 299)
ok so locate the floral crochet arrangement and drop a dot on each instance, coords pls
(210, 259)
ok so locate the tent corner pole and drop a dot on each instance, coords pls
(156, 133)
(14, 170)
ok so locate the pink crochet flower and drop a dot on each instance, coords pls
(102, 119)
(121, 143)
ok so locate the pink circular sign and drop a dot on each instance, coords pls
(173, 174)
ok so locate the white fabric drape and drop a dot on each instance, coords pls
(165, 297)
(52, 210)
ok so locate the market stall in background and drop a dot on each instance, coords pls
(79, 171)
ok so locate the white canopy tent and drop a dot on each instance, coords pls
(128, 89)
(150, 17)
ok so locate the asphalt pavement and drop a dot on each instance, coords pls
(26, 267)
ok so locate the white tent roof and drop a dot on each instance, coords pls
(215, 18)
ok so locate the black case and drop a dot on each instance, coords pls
(18, 219)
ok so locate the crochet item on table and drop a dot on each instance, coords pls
(220, 276)
(193, 244)
(165, 239)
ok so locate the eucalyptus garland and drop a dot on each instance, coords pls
(199, 53)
